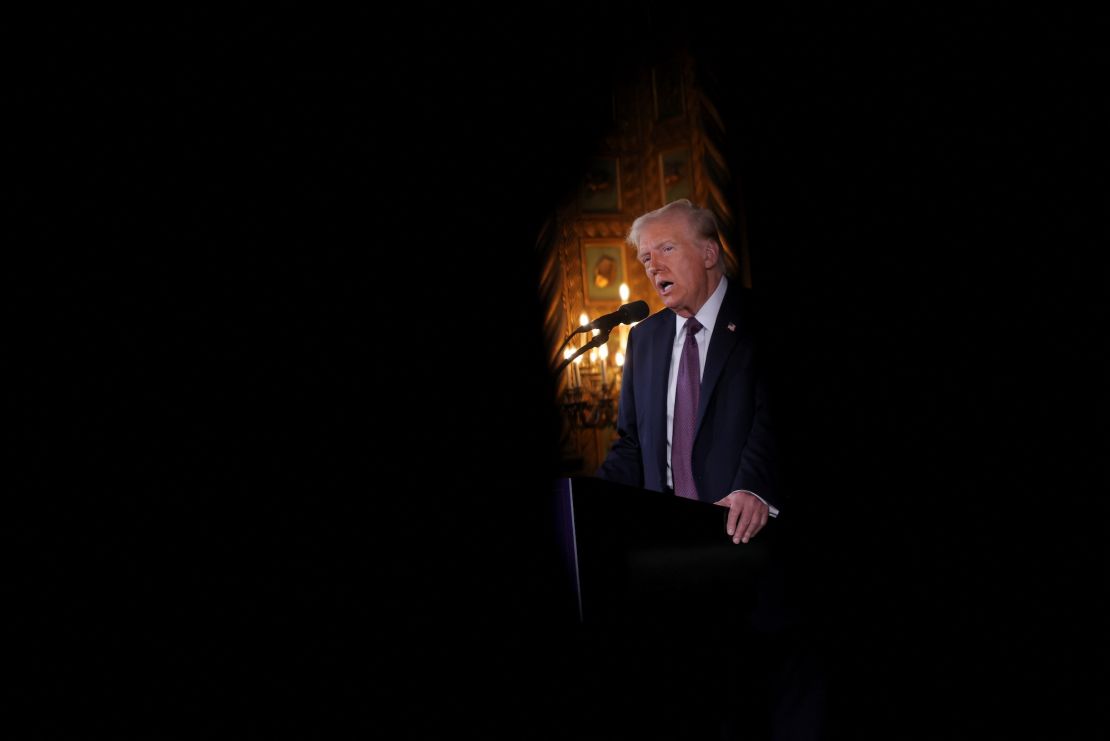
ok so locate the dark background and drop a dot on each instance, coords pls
(283, 419)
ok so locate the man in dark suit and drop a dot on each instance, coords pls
(694, 421)
(727, 455)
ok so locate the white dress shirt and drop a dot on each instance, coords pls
(707, 315)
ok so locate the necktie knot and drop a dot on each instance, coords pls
(693, 326)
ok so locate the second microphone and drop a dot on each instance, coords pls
(627, 314)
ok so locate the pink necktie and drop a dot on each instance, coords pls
(686, 414)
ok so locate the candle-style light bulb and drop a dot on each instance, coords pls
(574, 378)
(619, 358)
(593, 355)
(583, 320)
(623, 334)
(603, 351)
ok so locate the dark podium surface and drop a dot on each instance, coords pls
(664, 603)
(637, 556)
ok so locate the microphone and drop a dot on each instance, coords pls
(633, 312)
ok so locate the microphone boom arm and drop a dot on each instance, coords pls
(597, 341)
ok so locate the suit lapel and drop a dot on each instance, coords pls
(726, 335)
(662, 346)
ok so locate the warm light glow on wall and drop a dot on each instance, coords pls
(575, 375)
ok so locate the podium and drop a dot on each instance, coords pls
(633, 557)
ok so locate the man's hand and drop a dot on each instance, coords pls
(747, 514)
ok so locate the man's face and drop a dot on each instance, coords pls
(680, 265)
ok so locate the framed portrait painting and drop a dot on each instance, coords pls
(601, 186)
(676, 174)
(603, 270)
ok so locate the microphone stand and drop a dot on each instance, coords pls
(567, 341)
(601, 338)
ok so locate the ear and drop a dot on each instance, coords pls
(712, 252)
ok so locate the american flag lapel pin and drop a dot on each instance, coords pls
(731, 327)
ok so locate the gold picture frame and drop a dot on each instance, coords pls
(603, 270)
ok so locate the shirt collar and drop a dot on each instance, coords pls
(707, 314)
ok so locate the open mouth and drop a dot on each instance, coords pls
(665, 286)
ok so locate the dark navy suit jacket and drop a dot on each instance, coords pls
(733, 444)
